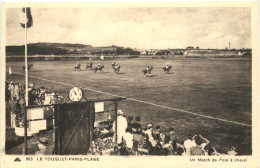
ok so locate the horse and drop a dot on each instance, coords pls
(28, 67)
(116, 69)
(89, 65)
(77, 66)
(99, 68)
(167, 69)
(148, 70)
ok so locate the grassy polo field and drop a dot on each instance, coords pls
(199, 96)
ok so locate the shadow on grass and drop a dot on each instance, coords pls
(150, 76)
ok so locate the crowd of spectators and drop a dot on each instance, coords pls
(133, 139)
(15, 97)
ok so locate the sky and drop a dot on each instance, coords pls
(141, 28)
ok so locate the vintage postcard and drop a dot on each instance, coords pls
(120, 84)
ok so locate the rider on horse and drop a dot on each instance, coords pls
(116, 65)
(167, 66)
(99, 65)
(148, 67)
(113, 64)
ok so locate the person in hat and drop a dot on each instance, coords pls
(121, 126)
(150, 135)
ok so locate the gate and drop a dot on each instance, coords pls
(74, 124)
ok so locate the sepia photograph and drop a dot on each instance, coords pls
(137, 81)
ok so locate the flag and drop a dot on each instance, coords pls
(29, 18)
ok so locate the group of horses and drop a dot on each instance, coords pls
(90, 66)
(116, 67)
(148, 70)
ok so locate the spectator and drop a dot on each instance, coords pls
(11, 89)
(197, 150)
(7, 92)
(150, 137)
(128, 137)
(210, 151)
(121, 126)
(42, 95)
(188, 144)
(137, 131)
(232, 151)
(173, 140)
(158, 135)
(48, 99)
(31, 94)
(14, 109)
(17, 91)
(168, 149)
(180, 151)
(205, 143)
(22, 105)
(54, 98)
(130, 123)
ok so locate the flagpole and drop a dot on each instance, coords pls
(26, 64)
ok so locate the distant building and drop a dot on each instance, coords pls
(190, 48)
(197, 48)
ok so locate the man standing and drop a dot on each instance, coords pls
(121, 126)
(14, 110)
